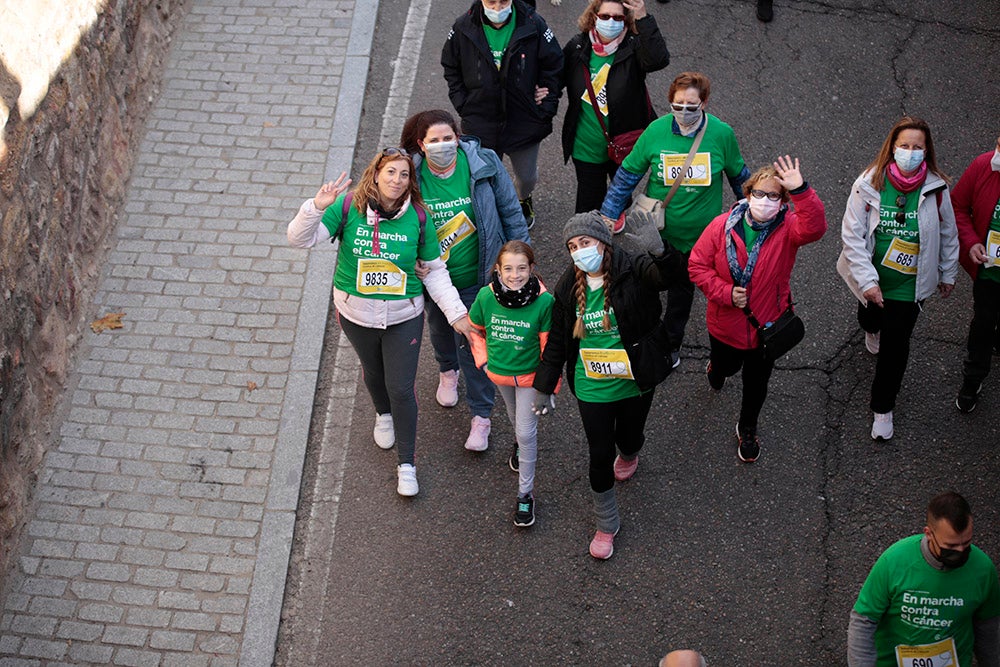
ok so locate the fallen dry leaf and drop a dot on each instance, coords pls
(251, 385)
(109, 321)
(268, 124)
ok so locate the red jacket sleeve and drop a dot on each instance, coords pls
(701, 263)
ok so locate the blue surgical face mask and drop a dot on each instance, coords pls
(609, 29)
(587, 259)
(908, 160)
(497, 17)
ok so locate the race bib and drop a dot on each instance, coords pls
(993, 248)
(699, 174)
(380, 276)
(599, 84)
(938, 654)
(453, 232)
(606, 364)
(902, 256)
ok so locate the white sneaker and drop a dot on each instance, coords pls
(447, 391)
(478, 440)
(406, 484)
(384, 433)
(872, 341)
(882, 426)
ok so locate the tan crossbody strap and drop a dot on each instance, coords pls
(687, 164)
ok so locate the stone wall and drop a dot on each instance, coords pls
(67, 142)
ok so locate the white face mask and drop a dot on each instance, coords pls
(442, 153)
(908, 160)
(764, 209)
(995, 162)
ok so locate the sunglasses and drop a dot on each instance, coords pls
(611, 17)
(760, 194)
(685, 107)
(389, 152)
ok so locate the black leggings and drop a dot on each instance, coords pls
(894, 323)
(607, 425)
(389, 366)
(726, 361)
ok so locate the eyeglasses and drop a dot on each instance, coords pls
(389, 152)
(685, 107)
(611, 17)
(760, 194)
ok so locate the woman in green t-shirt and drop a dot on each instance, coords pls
(606, 331)
(377, 292)
(475, 210)
(900, 245)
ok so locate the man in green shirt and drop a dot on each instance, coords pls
(930, 600)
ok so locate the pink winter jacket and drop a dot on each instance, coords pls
(769, 289)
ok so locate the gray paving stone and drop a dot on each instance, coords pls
(85, 632)
(129, 657)
(91, 654)
(42, 648)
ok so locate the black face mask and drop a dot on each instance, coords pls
(952, 558)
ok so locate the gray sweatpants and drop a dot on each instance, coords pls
(525, 422)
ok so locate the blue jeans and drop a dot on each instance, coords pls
(452, 352)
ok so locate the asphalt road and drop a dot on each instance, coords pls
(752, 564)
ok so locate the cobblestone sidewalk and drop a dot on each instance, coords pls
(164, 512)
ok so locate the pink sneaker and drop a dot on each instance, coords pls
(625, 469)
(603, 545)
(479, 434)
(447, 391)
(619, 225)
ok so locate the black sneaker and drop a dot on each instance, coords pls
(524, 515)
(749, 446)
(765, 12)
(968, 396)
(715, 383)
(528, 209)
(675, 358)
(512, 462)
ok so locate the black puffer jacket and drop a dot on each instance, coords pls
(635, 298)
(628, 102)
(498, 106)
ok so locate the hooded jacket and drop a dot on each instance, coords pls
(498, 106)
(938, 258)
(769, 290)
(498, 212)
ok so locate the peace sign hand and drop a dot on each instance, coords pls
(788, 173)
(329, 192)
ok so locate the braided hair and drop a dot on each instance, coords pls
(580, 291)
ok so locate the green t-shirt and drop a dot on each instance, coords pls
(388, 275)
(699, 199)
(749, 234)
(603, 370)
(512, 343)
(590, 144)
(897, 246)
(915, 604)
(450, 202)
(992, 271)
(499, 38)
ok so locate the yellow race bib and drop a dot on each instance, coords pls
(454, 231)
(606, 364)
(380, 276)
(993, 248)
(902, 256)
(699, 174)
(938, 654)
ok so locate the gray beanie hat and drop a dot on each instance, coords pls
(589, 224)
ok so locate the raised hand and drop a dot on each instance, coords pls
(329, 192)
(788, 172)
(641, 233)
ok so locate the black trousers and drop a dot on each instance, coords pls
(618, 424)
(592, 183)
(894, 322)
(726, 361)
(982, 330)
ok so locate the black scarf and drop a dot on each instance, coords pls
(519, 298)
